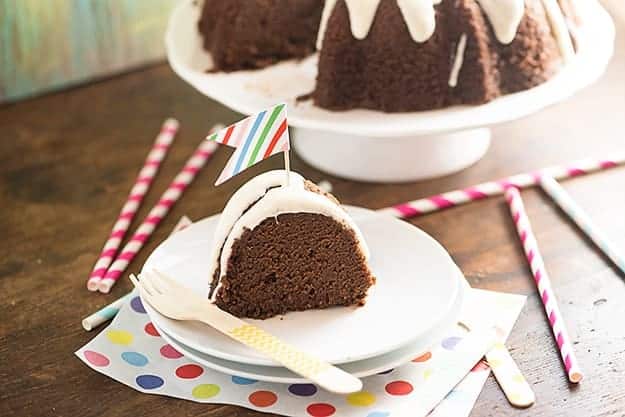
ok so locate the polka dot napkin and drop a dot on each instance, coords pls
(132, 352)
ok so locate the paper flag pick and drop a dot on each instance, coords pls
(255, 138)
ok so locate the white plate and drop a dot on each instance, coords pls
(250, 91)
(360, 369)
(416, 288)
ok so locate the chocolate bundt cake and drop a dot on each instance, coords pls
(398, 55)
(411, 55)
(250, 34)
(281, 248)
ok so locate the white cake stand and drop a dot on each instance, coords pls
(375, 146)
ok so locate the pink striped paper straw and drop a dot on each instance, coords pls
(477, 192)
(543, 283)
(197, 161)
(139, 189)
(107, 312)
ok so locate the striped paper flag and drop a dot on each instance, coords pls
(255, 138)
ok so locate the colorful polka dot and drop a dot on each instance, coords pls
(379, 414)
(320, 410)
(451, 342)
(189, 371)
(303, 390)
(399, 388)
(361, 399)
(151, 330)
(239, 380)
(150, 381)
(204, 391)
(119, 337)
(168, 351)
(423, 358)
(427, 374)
(135, 358)
(386, 372)
(137, 305)
(263, 398)
(96, 359)
(480, 366)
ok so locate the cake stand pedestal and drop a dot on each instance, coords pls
(392, 159)
(371, 145)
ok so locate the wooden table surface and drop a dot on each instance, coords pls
(68, 160)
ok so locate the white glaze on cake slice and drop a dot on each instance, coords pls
(267, 196)
(458, 61)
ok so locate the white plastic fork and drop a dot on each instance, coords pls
(179, 303)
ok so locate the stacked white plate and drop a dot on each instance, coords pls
(415, 302)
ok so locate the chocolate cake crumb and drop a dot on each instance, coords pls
(215, 277)
(294, 262)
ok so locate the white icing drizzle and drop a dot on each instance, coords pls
(420, 18)
(418, 14)
(361, 15)
(559, 29)
(504, 16)
(458, 61)
(293, 198)
(328, 8)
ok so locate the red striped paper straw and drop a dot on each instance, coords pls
(197, 161)
(477, 192)
(137, 192)
(543, 283)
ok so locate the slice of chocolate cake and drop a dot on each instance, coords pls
(281, 248)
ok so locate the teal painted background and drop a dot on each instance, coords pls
(50, 44)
